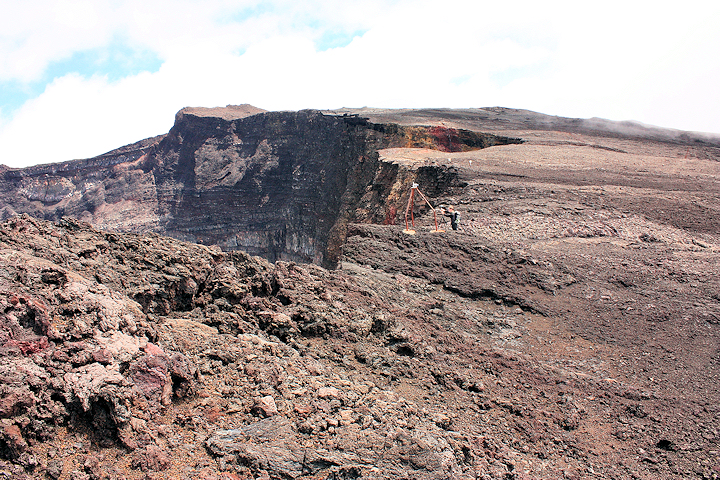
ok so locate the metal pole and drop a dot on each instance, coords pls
(410, 206)
(431, 207)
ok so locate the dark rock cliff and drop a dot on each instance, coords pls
(569, 329)
(282, 185)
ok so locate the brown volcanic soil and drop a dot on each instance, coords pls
(613, 240)
(568, 330)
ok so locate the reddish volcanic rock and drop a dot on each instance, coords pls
(568, 329)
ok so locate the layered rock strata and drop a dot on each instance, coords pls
(282, 185)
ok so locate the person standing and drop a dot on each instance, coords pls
(454, 216)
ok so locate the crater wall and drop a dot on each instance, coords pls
(281, 185)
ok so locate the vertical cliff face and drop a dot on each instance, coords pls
(270, 184)
(114, 191)
(282, 185)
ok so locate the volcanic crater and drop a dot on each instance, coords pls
(239, 299)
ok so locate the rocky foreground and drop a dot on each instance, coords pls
(569, 329)
(128, 356)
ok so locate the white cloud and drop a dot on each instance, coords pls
(79, 118)
(616, 60)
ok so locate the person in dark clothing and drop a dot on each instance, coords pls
(454, 217)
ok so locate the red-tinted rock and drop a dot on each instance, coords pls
(12, 437)
(14, 401)
(151, 459)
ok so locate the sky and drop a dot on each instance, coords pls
(79, 78)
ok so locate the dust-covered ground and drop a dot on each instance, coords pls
(569, 329)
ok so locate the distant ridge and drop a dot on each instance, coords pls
(501, 119)
(228, 112)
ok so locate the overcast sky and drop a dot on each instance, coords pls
(82, 77)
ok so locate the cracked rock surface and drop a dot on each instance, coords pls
(569, 329)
